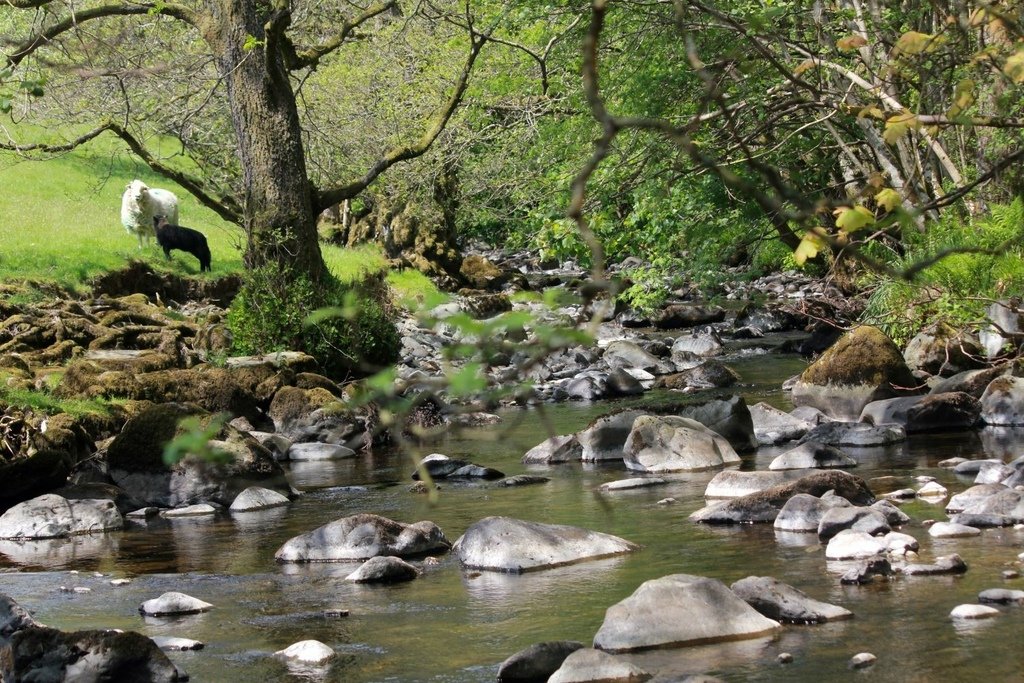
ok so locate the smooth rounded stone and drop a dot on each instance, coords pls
(972, 611)
(897, 543)
(1003, 401)
(197, 510)
(537, 662)
(893, 515)
(972, 496)
(674, 316)
(174, 602)
(784, 658)
(772, 426)
(709, 374)
(257, 498)
(1001, 596)
(972, 467)
(864, 519)
(622, 383)
(512, 545)
(175, 644)
(702, 343)
(667, 501)
(594, 666)
(862, 660)
(951, 463)
(854, 545)
(993, 473)
(728, 417)
(440, 466)
(120, 582)
(945, 564)
(634, 483)
(307, 652)
(736, 483)
(862, 366)
(53, 516)
(952, 530)
(605, 437)
(812, 455)
(865, 571)
(588, 387)
(784, 603)
(802, 512)
(623, 353)
(522, 480)
(902, 494)
(765, 505)
(1009, 574)
(304, 452)
(360, 537)
(675, 444)
(931, 413)
(564, 448)
(679, 610)
(384, 569)
(856, 434)
(932, 490)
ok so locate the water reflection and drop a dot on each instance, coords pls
(496, 590)
(53, 553)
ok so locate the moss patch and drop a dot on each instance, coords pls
(863, 356)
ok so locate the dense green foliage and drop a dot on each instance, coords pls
(348, 328)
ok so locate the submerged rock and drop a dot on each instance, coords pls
(512, 545)
(384, 569)
(679, 610)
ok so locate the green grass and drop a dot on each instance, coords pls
(43, 401)
(60, 222)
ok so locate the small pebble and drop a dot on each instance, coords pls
(784, 658)
(667, 501)
(1011, 574)
(120, 582)
(335, 613)
(98, 575)
(862, 660)
(431, 560)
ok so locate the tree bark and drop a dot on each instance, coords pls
(279, 214)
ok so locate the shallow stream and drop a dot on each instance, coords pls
(454, 625)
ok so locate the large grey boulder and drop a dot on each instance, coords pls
(782, 602)
(948, 411)
(941, 349)
(764, 506)
(172, 603)
(972, 496)
(856, 434)
(13, 617)
(1000, 509)
(864, 519)
(735, 483)
(675, 444)
(729, 417)
(862, 366)
(772, 426)
(53, 516)
(679, 610)
(440, 466)
(594, 666)
(46, 654)
(623, 353)
(512, 545)
(555, 449)
(1003, 401)
(702, 343)
(606, 436)
(812, 455)
(360, 537)
(972, 382)
(710, 374)
(803, 513)
(944, 564)
(257, 498)
(537, 662)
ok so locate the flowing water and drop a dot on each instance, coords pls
(456, 625)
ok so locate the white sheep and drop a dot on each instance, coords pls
(141, 203)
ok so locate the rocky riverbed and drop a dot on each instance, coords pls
(680, 425)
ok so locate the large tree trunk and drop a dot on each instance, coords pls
(280, 222)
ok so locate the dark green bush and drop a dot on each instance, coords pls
(348, 328)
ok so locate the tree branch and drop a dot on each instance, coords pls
(333, 195)
(311, 56)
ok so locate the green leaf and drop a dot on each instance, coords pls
(852, 220)
(809, 246)
(899, 125)
(1014, 67)
(251, 43)
(914, 43)
(888, 199)
(467, 381)
(5, 104)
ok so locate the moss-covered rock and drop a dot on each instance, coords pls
(863, 366)
(292, 404)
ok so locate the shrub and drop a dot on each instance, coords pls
(348, 327)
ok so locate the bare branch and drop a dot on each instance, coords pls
(310, 57)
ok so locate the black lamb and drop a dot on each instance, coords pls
(170, 236)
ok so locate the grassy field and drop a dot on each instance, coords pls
(60, 221)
